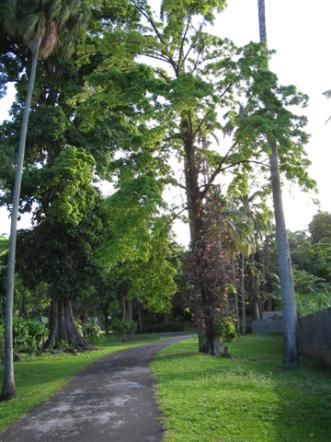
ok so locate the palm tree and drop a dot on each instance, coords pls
(247, 228)
(290, 352)
(38, 23)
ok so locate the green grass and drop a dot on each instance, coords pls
(245, 399)
(37, 378)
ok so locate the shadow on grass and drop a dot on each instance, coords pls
(286, 405)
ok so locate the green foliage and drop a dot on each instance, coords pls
(68, 184)
(312, 302)
(146, 273)
(226, 328)
(91, 329)
(320, 228)
(32, 21)
(311, 256)
(29, 336)
(124, 327)
(130, 210)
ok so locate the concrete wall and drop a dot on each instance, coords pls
(315, 334)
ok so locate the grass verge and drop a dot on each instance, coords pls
(38, 377)
(248, 398)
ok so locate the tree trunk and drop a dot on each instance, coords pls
(257, 309)
(130, 317)
(62, 328)
(214, 346)
(290, 353)
(213, 338)
(124, 335)
(140, 320)
(236, 299)
(8, 388)
(130, 310)
(203, 341)
(105, 314)
(195, 216)
(243, 296)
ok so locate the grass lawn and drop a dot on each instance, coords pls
(245, 399)
(37, 378)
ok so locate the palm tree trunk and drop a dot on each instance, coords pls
(243, 296)
(236, 299)
(290, 352)
(8, 388)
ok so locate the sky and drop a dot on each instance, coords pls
(300, 33)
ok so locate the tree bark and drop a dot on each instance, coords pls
(124, 318)
(213, 338)
(8, 388)
(62, 328)
(195, 213)
(130, 317)
(140, 319)
(290, 353)
(203, 341)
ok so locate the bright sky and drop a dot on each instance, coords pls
(300, 33)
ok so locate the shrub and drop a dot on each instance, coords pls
(29, 336)
(124, 328)
(311, 303)
(227, 328)
(91, 329)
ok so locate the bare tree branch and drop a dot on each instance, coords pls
(181, 50)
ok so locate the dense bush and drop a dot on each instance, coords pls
(29, 336)
(124, 328)
(91, 329)
(227, 328)
(311, 303)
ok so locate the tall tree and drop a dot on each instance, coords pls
(209, 85)
(198, 85)
(38, 24)
(71, 228)
(290, 352)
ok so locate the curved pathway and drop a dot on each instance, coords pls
(111, 400)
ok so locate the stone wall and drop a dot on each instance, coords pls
(315, 334)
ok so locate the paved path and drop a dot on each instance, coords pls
(111, 400)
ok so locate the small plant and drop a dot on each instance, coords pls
(227, 328)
